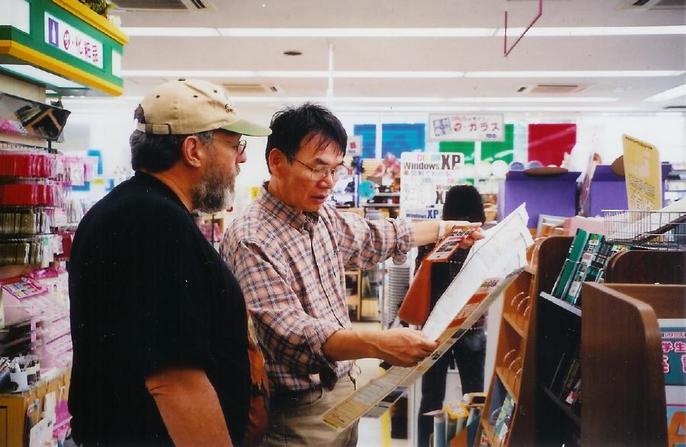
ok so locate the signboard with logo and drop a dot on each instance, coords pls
(424, 180)
(67, 39)
(466, 127)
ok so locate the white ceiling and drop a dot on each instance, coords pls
(659, 61)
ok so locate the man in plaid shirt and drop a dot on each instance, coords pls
(289, 251)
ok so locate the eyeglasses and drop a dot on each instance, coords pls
(240, 147)
(318, 174)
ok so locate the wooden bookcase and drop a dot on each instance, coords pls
(515, 361)
(623, 383)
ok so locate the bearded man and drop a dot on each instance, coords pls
(162, 349)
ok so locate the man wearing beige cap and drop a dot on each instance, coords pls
(163, 353)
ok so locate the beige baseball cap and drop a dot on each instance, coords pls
(187, 106)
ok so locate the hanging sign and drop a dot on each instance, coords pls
(466, 127)
(424, 180)
(70, 40)
(67, 39)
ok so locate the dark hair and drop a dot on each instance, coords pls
(156, 153)
(463, 202)
(294, 126)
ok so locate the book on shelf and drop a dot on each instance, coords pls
(566, 372)
(502, 423)
(573, 395)
(586, 261)
(573, 374)
(588, 254)
(569, 268)
(559, 372)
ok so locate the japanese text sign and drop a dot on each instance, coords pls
(450, 127)
(72, 41)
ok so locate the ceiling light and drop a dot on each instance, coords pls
(396, 74)
(143, 31)
(672, 93)
(404, 32)
(585, 31)
(417, 99)
(574, 74)
(356, 32)
(480, 109)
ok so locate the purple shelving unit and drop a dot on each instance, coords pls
(608, 191)
(555, 195)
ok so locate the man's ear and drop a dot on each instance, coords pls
(192, 151)
(276, 160)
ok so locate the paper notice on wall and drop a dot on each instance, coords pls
(502, 250)
(377, 396)
(642, 175)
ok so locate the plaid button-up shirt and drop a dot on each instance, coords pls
(290, 265)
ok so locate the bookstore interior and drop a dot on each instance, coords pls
(568, 122)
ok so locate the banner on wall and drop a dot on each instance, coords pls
(642, 175)
(424, 180)
(466, 127)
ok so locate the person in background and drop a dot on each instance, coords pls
(290, 250)
(162, 350)
(462, 202)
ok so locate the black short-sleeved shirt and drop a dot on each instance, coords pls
(147, 293)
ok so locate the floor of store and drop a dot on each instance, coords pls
(374, 432)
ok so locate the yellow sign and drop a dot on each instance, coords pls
(643, 175)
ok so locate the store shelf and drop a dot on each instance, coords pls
(564, 408)
(387, 194)
(560, 303)
(516, 326)
(381, 205)
(502, 375)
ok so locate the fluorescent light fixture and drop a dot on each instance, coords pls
(188, 73)
(398, 74)
(357, 32)
(404, 32)
(416, 99)
(41, 76)
(479, 109)
(321, 74)
(574, 74)
(171, 32)
(672, 93)
(585, 31)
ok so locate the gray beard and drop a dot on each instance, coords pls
(214, 193)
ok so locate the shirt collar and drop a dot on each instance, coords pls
(298, 219)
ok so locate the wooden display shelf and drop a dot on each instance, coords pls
(561, 303)
(510, 319)
(564, 408)
(504, 375)
(621, 375)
